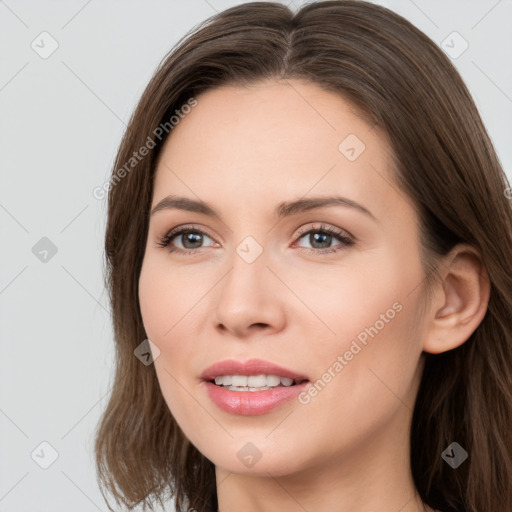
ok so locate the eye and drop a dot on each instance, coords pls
(322, 237)
(190, 238)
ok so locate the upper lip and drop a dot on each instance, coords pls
(250, 367)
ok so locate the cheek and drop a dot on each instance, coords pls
(170, 304)
(162, 305)
(345, 299)
(153, 301)
(367, 318)
(165, 296)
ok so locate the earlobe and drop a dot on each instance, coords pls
(460, 302)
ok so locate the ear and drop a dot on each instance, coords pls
(460, 301)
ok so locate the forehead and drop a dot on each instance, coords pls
(267, 121)
(274, 140)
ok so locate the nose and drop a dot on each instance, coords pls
(250, 299)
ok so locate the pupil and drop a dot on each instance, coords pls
(313, 238)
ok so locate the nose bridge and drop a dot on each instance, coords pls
(248, 264)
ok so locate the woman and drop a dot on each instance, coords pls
(309, 236)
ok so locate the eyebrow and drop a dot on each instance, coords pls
(284, 209)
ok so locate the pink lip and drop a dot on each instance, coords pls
(251, 403)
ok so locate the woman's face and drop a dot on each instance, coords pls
(261, 280)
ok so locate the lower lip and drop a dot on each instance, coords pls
(251, 403)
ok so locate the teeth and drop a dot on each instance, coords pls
(259, 381)
(273, 380)
(239, 380)
(252, 382)
(226, 381)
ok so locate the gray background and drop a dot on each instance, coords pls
(62, 118)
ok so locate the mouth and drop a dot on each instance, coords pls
(252, 387)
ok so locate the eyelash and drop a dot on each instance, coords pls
(345, 240)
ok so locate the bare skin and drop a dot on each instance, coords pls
(244, 151)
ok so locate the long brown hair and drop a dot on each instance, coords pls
(444, 161)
